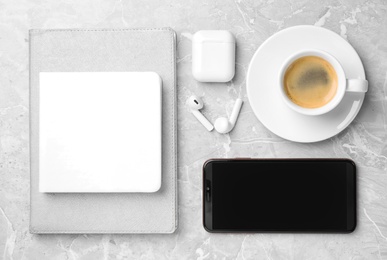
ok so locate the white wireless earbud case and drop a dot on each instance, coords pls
(213, 56)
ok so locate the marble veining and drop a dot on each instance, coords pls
(361, 22)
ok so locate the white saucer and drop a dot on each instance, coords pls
(268, 105)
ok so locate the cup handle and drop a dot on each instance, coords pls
(357, 85)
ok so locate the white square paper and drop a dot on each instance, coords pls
(100, 132)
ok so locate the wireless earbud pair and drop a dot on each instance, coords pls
(223, 125)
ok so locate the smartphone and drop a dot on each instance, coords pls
(279, 195)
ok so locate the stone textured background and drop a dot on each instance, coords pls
(361, 22)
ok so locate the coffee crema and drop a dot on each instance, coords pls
(310, 82)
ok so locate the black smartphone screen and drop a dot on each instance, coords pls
(289, 195)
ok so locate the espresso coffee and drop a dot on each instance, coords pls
(310, 82)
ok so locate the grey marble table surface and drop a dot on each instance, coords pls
(362, 22)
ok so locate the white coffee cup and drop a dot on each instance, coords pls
(343, 84)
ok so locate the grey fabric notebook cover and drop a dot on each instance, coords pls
(106, 50)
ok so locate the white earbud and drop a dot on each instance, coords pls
(195, 104)
(224, 125)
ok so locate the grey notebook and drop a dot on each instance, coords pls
(96, 50)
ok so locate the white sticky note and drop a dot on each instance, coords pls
(100, 131)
